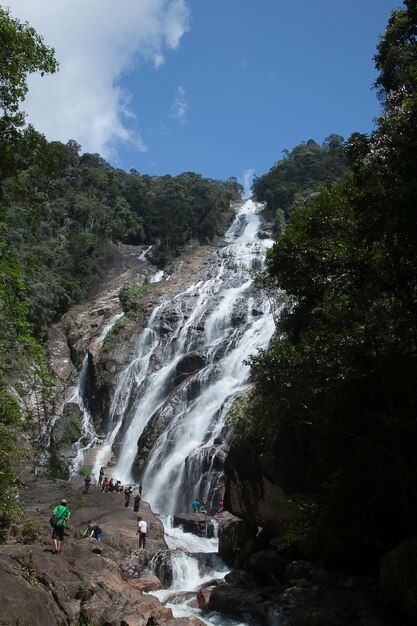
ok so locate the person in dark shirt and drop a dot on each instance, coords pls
(128, 493)
(87, 483)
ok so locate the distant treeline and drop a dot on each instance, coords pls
(295, 180)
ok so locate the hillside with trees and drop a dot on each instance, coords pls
(295, 180)
(63, 224)
(343, 371)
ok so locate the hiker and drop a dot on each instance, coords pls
(140, 489)
(104, 484)
(93, 531)
(128, 493)
(110, 486)
(100, 476)
(87, 483)
(202, 509)
(141, 531)
(196, 504)
(136, 503)
(221, 506)
(62, 513)
(118, 486)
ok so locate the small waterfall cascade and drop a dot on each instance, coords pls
(192, 562)
(89, 437)
(157, 277)
(88, 433)
(171, 402)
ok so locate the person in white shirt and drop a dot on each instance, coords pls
(141, 531)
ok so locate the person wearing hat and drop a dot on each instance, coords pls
(62, 513)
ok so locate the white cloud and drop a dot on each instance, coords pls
(179, 108)
(247, 180)
(97, 42)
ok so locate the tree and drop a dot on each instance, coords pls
(344, 366)
(23, 52)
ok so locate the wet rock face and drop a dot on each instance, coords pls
(233, 535)
(256, 485)
(162, 566)
(190, 364)
(67, 429)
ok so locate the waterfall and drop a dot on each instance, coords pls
(168, 412)
(89, 436)
(88, 433)
(190, 365)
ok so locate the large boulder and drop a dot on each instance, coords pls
(189, 364)
(398, 577)
(233, 535)
(197, 524)
(203, 596)
(257, 484)
(243, 603)
(267, 566)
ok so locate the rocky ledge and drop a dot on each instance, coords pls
(88, 582)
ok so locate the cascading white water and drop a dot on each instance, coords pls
(219, 322)
(189, 367)
(156, 278)
(88, 434)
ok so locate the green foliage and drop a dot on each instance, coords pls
(301, 533)
(343, 368)
(72, 427)
(85, 471)
(63, 224)
(294, 181)
(28, 530)
(130, 296)
(110, 340)
(23, 52)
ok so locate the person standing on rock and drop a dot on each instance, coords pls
(196, 504)
(87, 483)
(100, 476)
(140, 489)
(136, 503)
(128, 493)
(141, 531)
(62, 513)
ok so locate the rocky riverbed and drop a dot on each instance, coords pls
(89, 582)
(106, 583)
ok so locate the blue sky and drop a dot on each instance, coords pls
(218, 87)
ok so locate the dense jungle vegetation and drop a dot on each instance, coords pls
(344, 370)
(62, 224)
